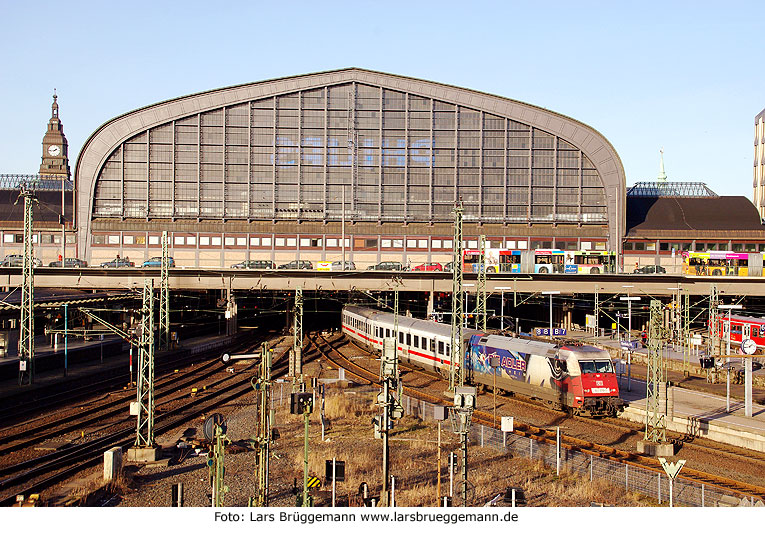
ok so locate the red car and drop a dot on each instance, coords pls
(429, 267)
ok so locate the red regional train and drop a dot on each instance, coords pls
(741, 327)
(574, 378)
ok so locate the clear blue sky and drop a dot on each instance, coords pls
(685, 76)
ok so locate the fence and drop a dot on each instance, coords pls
(634, 478)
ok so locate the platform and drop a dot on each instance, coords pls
(702, 414)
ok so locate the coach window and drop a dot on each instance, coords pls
(401, 337)
(441, 347)
(416, 341)
(408, 339)
(387, 332)
(433, 345)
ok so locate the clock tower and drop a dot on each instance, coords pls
(55, 156)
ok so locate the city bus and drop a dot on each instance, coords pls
(497, 260)
(722, 263)
(549, 261)
(590, 262)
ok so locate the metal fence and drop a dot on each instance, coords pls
(633, 478)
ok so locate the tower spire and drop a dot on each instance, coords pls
(54, 107)
(662, 178)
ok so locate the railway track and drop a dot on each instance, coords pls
(545, 435)
(37, 474)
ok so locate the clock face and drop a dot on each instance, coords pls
(54, 150)
(748, 347)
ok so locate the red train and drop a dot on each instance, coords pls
(741, 327)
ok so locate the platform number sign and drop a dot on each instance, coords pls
(545, 332)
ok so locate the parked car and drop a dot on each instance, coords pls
(260, 264)
(69, 262)
(17, 260)
(118, 263)
(297, 264)
(387, 265)
(650, 269)
(428, 267)
(338, 265)
(156, 262)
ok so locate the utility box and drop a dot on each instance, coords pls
(440, 412)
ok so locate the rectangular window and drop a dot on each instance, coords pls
(411, 243)
(8, 237)
(315, 243)
(331, 243)
(241, 241)
(35, 238)
(204, 241)
(398, 243)
(254, 241)
(663, 247)
(230, 241)
(47, 239)
(401, 337)
(602, 246)
(387, 332)
(510, 244)
(140, 239)
(422, 243)
(639, 246)
(523, 245)
(191, 241)
(153, 239)
(266, 241)
(472, 244)
(291, 242)
(448, 244)
(386, 243)
(305, 243)
(216, 241)
(435, 243)
(114, 239)
(179, 241)
(416, 341)
(587, 245)
(97, 239)
(628, 246)
(441, 347)
(737, 247)
(370, 243)
(408, 339)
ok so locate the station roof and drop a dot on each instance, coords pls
(721, 217)
(54, 298)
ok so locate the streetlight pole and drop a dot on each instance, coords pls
(727, 359)
(629, 300)
(502, 304)
(550, 293)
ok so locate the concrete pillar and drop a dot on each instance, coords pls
(112, 463)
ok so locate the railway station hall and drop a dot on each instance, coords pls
(360, 166)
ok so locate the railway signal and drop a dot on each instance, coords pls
(462, 413)
(391, 410)
(301, 403)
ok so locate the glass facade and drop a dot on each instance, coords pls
(363, 152)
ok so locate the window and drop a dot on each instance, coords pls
(409, 339)
(411, 243)
(291, 242)
(386, 243)
(422, 243)
(737, 247)
(628, 246)
(216, 241)
(230, 241)
(474, 244)
(398, 243)
(204, 241)
(153, 239)
(140, 239)
(127, 239)
(435, 243)
(179, 241)
(387, 332)
(448, 244)
(114, 239)
(304, 243)
(639, 246)
(266, 241)
(523, 245)
(602, 246)
(35, 237)
(191, 241)
(97, 239)
(241, 241)
(254, 241)
(664, 246)
(416, 341)
(331, 243)
(47, 239)
(401, 337)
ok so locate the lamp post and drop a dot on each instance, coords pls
(551, 293)
(727, 359)
(502, 304)
(629, 300)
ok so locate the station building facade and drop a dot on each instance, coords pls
(349, 163)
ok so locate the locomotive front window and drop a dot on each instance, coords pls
(596, 367)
